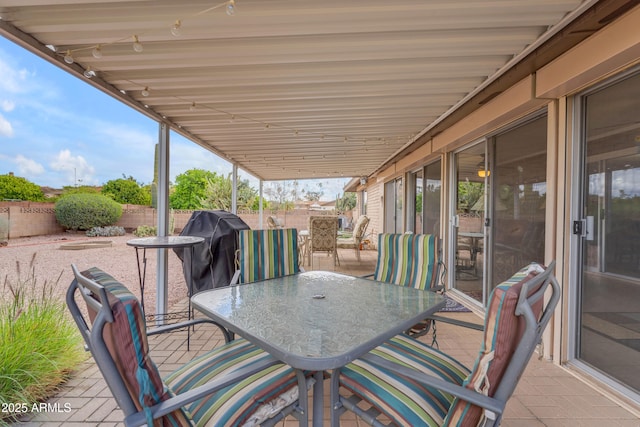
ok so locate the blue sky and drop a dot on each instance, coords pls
(56, 130)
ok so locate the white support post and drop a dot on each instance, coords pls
(234, 190)
(260, 212)
(162, 269)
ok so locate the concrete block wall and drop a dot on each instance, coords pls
(24, 219)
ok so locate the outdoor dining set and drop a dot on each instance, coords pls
(289, 333)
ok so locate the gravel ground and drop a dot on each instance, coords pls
(53, 265)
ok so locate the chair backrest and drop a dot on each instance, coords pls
(265, 254)
(514, 323)
(360, 227)
(323, 232)
(412, 260)
(117, 340)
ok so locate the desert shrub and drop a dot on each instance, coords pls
(18, 188)
(145, 231)
(127, 190)
(108, 231)
(85, 211)
(39, 343)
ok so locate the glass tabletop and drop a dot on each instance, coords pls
(165, 241)
(317, 320)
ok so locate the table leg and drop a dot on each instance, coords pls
(188, 253)
(318, 399)
(303, 399)
(142, 272)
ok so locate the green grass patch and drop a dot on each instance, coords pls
(39, 343)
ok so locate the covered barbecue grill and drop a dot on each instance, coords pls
(213, 260)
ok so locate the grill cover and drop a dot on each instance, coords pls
(213, 259)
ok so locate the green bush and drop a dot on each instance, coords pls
(18, 188)
(85, 211)
(145, 231)
(39, 343)
(127, 190)
(108, 231)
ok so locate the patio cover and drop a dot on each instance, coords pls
(296, 89)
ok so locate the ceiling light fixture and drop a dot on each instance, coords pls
(145, 91)
(88, 73)
(192, 107)
(137, 46)
(97, 52)
(68, 58)
(231, 7)
(176, 29)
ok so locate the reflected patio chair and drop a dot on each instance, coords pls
(265, 254)
(413, 384)
(358, 235)
(234, 383)
(323, 236)
(274, 222)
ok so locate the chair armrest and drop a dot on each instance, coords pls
(165, 407)
(470, 325)
(490, 404)
(228, 336)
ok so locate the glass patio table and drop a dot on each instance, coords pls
(317, 320)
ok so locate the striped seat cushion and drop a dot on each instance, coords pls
(247, 402)
(244, 403)
(408, 260)
(503, 330)
(265, 254)
(404, 401)
(126, 339)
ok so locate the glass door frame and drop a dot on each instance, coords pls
(454, 220)
(577, 169)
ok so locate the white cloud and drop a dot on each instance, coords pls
(13, 80)
(8, 105)
(5, 127)
(28, 167)
(76, 168)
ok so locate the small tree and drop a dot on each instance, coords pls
(190, 189)
(85, 211)
(219, 190)
(126, 190)
(18, 188)
(346, 203)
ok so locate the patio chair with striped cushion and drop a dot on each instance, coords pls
(415, 260)
(234, 384)
(412, 260)
(409, 260)
(413, 384)
(265, 254)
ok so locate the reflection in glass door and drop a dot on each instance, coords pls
(393, 192)
(519, 179)
(468, 231)
(609, 232)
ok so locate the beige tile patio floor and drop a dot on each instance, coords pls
(547, 395)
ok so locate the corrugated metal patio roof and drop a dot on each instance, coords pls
(298, 89)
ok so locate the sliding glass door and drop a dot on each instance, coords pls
(500, 190)
(471, 173)
(608, 229)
